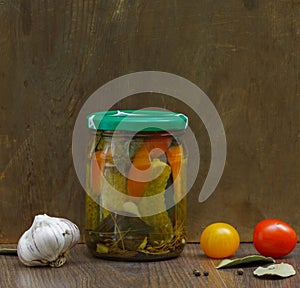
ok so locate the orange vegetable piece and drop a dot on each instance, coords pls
(98, 162)
(151, 148)
(141, 161)
(158, 146)
(174, 155)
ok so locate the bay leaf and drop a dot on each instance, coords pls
(227, 263)
(282, 270)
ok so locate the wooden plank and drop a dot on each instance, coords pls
(83, 270)
(243, 54)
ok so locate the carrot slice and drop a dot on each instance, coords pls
(174, 155)
(158, 146)
(141, 161)
(98, 162)
(151, 148)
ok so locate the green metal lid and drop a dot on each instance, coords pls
(137, 120)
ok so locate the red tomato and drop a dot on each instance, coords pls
(274, 238)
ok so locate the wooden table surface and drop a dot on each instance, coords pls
(83, 270)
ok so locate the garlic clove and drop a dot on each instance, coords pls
(47, 241)
(70, 233)
(27, 254)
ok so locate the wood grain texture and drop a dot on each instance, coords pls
(243, 53)
(83, 270)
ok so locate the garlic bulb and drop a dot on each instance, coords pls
(47, 241)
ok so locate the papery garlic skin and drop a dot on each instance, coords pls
(47, 241)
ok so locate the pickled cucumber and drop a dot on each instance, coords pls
(161, 222)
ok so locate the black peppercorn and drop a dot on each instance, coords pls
(240, 271)
(205, 273)
(196, 273)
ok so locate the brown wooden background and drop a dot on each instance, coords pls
(245, 54)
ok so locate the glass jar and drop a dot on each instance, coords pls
(136, 185)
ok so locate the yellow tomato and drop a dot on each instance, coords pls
(219, 240)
